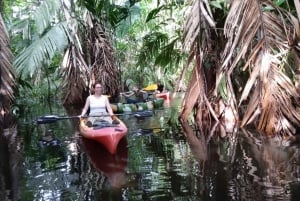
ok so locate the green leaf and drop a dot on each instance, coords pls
(154, 13)
(216, 4)
(222, 89)
(279, 2)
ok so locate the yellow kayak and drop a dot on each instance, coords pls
(151, 87)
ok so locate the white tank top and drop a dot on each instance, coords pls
(97, 104)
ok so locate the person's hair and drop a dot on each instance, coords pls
(93, 87)
(135, 88)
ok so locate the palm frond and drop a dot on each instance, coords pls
(152, 44)
(197, 37)
(198, 20)
(267, 34)
(75, 73)
(125, 25)
(279, 103)
(7, 74)
(42, 49)
(45, 14)
(169, 55)
(154, 13)
(113, 13)
(103, 62)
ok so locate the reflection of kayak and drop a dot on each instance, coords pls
(109, 136)
(134, 107)
(112, 166)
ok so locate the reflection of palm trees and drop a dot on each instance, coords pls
(208, 155)
(243, 164)
(271, 167)
(10, 160)
(198, 144)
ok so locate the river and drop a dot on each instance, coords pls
(155, 162)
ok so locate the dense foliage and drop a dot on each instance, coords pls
(59, 43)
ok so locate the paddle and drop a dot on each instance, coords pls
(143, 114)
(53, 118)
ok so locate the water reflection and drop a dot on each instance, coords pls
(155, 162)
(242, 164)
(196, 141)
(274, 168)
(113, 166)
(10, 163)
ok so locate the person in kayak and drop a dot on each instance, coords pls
(160, 87)
(99, 105)
(135, 96)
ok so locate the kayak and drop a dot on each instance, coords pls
(151, 87)
(108, 135)
(164, 95)
(135, 107)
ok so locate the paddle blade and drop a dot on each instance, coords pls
(143, 114)
(47, 119)
(53, 118)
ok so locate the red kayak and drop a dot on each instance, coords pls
(109, 136)
(164, 95)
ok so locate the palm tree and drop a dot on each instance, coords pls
(96, 64)
(93, 60)
(81, 38)
(254, 61)
(7, 76)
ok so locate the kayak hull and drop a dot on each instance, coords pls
(164, 95)
(149, 105)
(109, 137)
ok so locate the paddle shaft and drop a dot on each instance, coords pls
(53, 118)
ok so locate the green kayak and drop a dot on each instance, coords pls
(131, 107)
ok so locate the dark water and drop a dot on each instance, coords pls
(154, 162)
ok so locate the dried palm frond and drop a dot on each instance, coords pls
(103, 67)
(195, 87)
(197, 33)
(260, 38)
(267, 34)
(88, 60)
(7, 75)
(75, 73)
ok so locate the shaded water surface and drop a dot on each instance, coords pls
(154, 162)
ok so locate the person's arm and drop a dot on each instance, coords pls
(86, 106)
(108, 107)
(143, 91)
(127, 95)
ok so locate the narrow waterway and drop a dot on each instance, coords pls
(154, 162)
